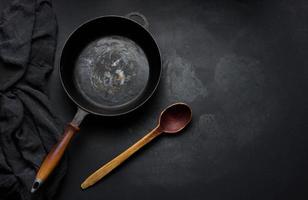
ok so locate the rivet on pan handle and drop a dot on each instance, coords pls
(144, 20)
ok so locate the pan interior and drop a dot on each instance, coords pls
(111, 71)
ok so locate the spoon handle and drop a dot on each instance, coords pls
(105, 169)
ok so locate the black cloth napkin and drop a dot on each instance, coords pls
(28, 127)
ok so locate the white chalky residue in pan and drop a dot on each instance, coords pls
(112, 71)
(121, 76)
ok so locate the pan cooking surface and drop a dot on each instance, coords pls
(111, 71)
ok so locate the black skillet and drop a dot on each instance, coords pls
(109, 66)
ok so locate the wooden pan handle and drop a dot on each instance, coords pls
(54, 156)
(104, 170)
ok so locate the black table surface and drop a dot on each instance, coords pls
(241, 65)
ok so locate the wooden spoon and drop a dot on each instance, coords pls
(172, 120)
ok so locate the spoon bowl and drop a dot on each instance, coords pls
(174, 118)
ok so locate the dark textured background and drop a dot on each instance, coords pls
(242, 66)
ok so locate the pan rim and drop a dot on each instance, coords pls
(99, 113)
